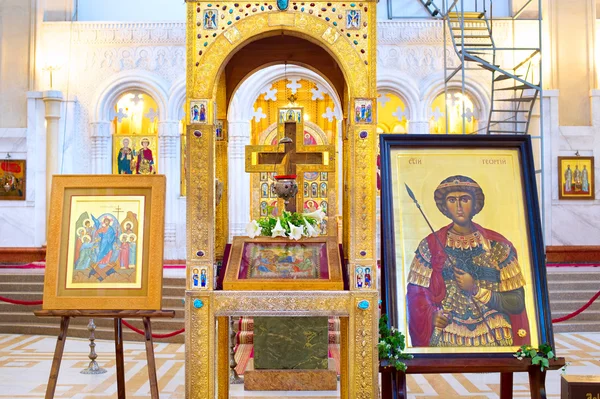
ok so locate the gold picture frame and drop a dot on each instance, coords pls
(244, 272)
(105, 243)
(579, 171)
(463, 232)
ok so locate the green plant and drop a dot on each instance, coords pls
(391, 345)
(293, 225)
(540, 356)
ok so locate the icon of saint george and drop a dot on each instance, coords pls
(465, 285)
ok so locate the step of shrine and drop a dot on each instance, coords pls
(19, 319)
(570, 288)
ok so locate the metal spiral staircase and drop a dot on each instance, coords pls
(515, 89)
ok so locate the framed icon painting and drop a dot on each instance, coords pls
(105, 243)
(576, 178)
(265, 263)
(463, 257)
(12, 179)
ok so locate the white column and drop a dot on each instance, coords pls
(101, 148)
(36, 163)
(53, 105)
(239, 180)
(169, 165)
(418, 127)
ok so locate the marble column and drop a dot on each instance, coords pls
(53, 104)
(36, 163)
(169, 165)
(239, 180)
(101, 148)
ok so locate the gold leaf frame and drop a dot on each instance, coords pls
(334, 280)
(208, 52)
(149, 297)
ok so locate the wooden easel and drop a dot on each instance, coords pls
(118, 315)
(394, 382)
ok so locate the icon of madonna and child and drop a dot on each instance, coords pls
(465, 286)
(105, 249)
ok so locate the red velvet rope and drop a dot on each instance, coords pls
(137, 330)
(174, 333)
(575, 313)
(17, 302)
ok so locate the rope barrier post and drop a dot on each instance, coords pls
(93, 367)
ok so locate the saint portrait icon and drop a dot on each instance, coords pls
(198, 111)
(353, 19)
(465, 285)
(576, 178)
(363, 111)
(145, 159)
(210, 19)
(125, 157)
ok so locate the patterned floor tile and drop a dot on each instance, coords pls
(25, 363)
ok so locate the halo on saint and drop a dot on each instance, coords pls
(132, 237)
(123, 141)
(80, 231)
(124, 237)
(144, 139)
(87, 236)
(86, 221)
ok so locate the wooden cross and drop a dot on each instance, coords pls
(291, 156)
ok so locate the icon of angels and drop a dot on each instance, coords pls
(352, 19)
(210, 19)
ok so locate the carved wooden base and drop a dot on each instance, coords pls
(290, 380)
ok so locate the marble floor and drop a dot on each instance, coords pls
(25, 364)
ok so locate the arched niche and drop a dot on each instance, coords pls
(214, 71)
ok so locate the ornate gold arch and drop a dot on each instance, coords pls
(209, 51)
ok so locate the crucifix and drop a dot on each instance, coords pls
(290, 157)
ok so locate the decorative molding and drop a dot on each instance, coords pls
(425, 31)
(573, 254)
(22, 255)
(118, 33)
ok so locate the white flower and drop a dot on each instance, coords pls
(319, 215)
(253, 229)
(296, 231)
(310, 230)
(278, 231)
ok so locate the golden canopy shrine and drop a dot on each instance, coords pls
(226, 43)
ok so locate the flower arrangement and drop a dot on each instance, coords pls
(540, 356)
(391, 345)
(293, 225)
